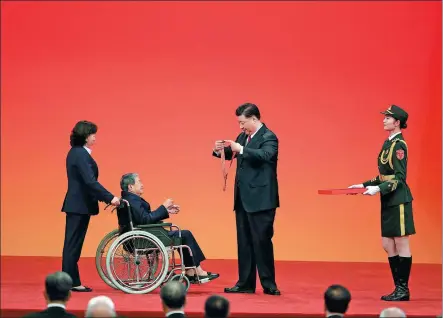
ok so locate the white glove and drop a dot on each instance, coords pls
(356, 186)
(371, 190)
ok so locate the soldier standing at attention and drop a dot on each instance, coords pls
(397, 221)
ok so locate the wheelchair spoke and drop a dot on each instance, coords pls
(137, 263)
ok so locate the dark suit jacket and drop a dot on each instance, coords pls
(256, 174)
(141, 210)
(51, 312)
(84, 190)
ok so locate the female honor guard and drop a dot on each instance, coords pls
(397, 221)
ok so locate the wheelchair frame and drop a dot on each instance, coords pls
(169, 267)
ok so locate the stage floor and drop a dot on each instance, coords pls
(302, 285)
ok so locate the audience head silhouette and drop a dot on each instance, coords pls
(392, 312)
(173, 296)
(58, 287)
(337, 299)
(216, 307)
(100, 306)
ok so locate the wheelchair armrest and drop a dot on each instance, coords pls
(150, 226)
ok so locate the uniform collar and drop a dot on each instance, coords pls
(392, 136)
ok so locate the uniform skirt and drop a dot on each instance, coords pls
(397, 220)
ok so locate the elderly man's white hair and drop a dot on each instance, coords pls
(100, 306)
(392, 312)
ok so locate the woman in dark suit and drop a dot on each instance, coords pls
(81, 200)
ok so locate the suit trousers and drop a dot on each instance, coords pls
(255, 248)
(75, 233)
(189, 240)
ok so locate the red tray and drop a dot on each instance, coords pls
(342, 191)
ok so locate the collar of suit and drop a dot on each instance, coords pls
(334, 315)
(52, 305)
(261, 125)
(89, 150)
(125, 194)
(172, 312)
(260, 131)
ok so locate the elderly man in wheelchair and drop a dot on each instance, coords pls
(142, 215)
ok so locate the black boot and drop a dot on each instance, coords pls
(402, 290)
(393, 263)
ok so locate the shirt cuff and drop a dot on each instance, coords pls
(241, 150)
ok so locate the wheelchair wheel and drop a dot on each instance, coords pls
(181, 279)
(129, 262)
(100, 256)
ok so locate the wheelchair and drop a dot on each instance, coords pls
(146, 254)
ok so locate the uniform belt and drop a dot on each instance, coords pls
(384, 177)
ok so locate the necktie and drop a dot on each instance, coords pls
(249, 139)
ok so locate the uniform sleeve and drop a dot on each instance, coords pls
(372, 182)
(398, 161)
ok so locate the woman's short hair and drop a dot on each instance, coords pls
(81, 131)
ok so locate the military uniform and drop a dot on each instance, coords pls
(395, 195)
(396, 202)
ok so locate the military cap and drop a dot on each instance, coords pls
(396, 112)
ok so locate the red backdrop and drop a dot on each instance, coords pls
(162, 81)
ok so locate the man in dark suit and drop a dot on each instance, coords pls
(394, 312)
(57, 293)
(81, 200)
(216, 307)
(337, 299)
(173, 296)
(100, 306)
(132, 190)
(255, 199)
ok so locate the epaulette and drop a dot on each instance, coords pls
(401, 140)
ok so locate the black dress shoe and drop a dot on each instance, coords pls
(81, 289)
(272, 291)
(202, 279)
(240, 290)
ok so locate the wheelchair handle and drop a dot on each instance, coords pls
(121, 203)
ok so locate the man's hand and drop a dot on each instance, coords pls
(174, 209)
(219, 145)
(168, 203)
(115, 201)
(372, 190)
(235, 146)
